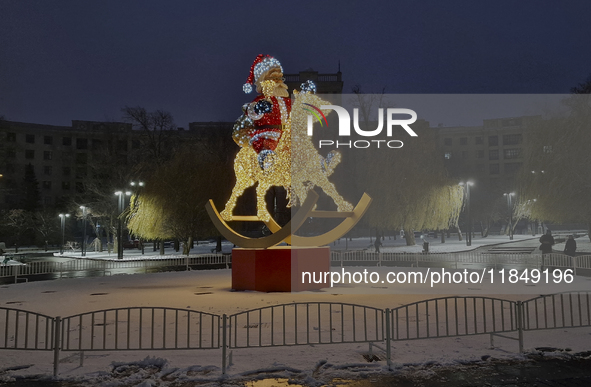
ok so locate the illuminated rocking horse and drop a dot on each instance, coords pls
(294, 164)
(309, 168)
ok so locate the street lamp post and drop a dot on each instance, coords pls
(83, 208)
(468, 184)
(63, 224)
(509, 204)
(120, 205)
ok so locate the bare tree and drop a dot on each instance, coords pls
(18, 223)
(45, 223)
(158, 133)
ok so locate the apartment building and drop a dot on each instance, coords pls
(490, 154)
(59, 155)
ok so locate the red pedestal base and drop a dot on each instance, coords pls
(279, 269)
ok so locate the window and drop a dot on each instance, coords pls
(447, 155)
(79, 187)
(30, 138)
(10, 137)
(493, 140)
(67, 157)
(97, 144)
(46, 185)
(493, 154)
(135, 144)
(494, 169)
(478, 140)
(512, 167)
(81, 158)
(66, 171)
(81, 143)
(463, 140)
(10, 168)
(67, 141)
(512, 153)
(464, 154)
(47, 155)
(47, 200)
(11, 153)
(47, 140)
(65, 185)
(547, 148)
(480, 154)
(29, 154)
(47, 170)
(447, 141)
(512, 139)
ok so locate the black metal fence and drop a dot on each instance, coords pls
(311, 323)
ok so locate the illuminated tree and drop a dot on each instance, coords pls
(410, 187)
(557, 166)
(172, 203)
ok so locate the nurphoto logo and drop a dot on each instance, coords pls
(392, 119)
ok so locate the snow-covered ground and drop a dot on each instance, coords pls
(209, 291)
(453, 244)
(389, 245)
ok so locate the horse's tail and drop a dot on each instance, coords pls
(330, 162)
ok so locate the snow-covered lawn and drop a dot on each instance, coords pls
(390, 245)
(398, 245)
(209, 291)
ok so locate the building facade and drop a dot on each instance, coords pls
(59, 155)
(491, 154)
(325, 83)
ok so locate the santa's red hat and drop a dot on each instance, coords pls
(260, 66)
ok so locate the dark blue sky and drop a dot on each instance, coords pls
(64, 60)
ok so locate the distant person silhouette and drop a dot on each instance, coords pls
(570, 246)
(547, 241)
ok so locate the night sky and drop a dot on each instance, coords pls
(82, 60)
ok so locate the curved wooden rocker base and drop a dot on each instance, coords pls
(286, 233)
(270, 240)
(351, 219)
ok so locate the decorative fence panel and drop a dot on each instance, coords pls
(20, 329)
(561, 310)
(89, 264)
(453, 316)
(463, 259)
(306, 323)
(140, 328)
(557, 260)
(38, 267)
(583, 262)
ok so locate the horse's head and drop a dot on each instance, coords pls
(303, 105)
